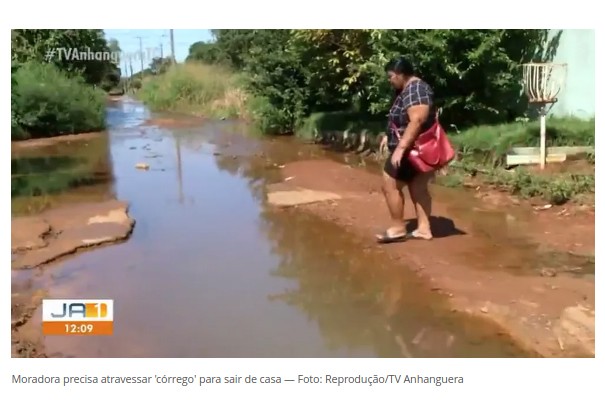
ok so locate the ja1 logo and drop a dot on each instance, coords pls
(82, 310)
(77, 316)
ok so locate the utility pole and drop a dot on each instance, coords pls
(179, 166)
(125, 75)
(141, 54)
(162, 46)
(172, 46)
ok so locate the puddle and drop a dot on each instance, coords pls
(504, 245)
(211, 271)
(61, 172)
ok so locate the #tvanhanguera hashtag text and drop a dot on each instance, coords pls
(75, 54)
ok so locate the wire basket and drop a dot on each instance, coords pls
(543, 81)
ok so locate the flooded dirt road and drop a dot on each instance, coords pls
(211, 271)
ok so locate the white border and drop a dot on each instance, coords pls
(530, 380)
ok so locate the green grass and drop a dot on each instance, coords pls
(555, 188)
(40, 175)
(196, 88)
(482, 152)
(46, 102)
(489, 144)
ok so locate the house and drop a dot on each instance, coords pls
(576, 48)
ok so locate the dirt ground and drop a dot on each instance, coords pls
(172, 123)
(50, 141)
(38, 240)
(53, 234)
(548, 307)
(26, 341)
(494, 256)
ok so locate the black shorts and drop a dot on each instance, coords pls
(405, 172)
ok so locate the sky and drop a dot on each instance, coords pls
(152, 38)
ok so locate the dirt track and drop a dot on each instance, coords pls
(53, 234)
(548, 309)
(476, 258)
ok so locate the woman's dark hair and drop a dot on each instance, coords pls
(400, 65)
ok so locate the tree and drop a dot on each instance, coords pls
(475, 73)
(159, 65)
(206, 52)
(35, 44)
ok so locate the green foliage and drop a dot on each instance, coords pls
(475, 73)
(160, 65)
(136, 83)
(42, 176)
(208, 53)
(489, 144)
(36, 176)
(482, 152)
(48, 102)
(556, 189)
(33, 45)
(196, 88)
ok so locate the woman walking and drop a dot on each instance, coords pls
(411, 114)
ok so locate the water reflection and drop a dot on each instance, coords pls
(60, 171)
(212, 272)
(358, 298)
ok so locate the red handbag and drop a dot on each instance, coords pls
(432, 149)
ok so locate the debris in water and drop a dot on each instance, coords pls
(216, 153)
(548, 272)
(450, 341)
(288, 179)
(484, 309)
(545, 207)
(404, 348)
(282, 166)
(142, 166)
(418, 337)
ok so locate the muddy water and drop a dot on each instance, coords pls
(504, 231)
(210, 271)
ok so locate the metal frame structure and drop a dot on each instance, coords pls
(542, 83)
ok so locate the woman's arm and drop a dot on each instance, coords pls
(417, 115)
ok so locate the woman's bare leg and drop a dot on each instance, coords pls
(421, 198)
(393, 195)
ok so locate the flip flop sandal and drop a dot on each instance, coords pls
(413, 236)
(386, 238)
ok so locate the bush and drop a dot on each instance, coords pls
(475, 73)
(47, 102)
(489, 144)
(341, 121)
(556, 189)
(197, 88)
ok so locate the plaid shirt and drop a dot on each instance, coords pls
(417, 92)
